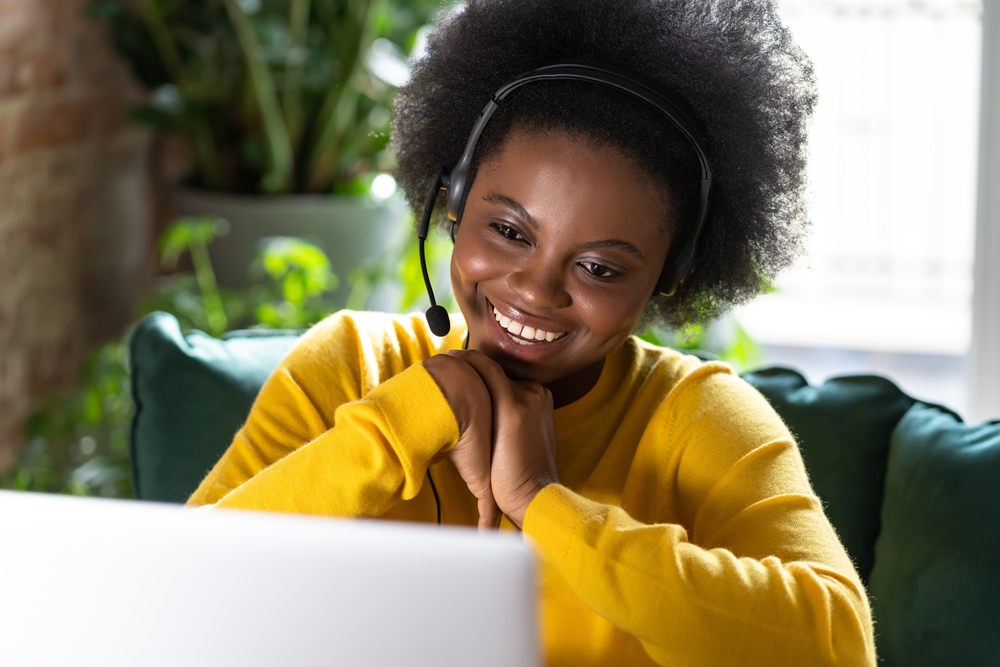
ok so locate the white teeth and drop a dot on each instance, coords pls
(518, 329)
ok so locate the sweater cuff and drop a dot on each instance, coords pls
(554, 518)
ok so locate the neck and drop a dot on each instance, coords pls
(573, 387)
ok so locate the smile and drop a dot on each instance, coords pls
(524, 335)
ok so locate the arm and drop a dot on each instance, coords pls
(336, 429)
(760, 580)
(697, 606)
(758, 576)
(329, 435)
(375, 455)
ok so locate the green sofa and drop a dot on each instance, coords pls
(913, 492)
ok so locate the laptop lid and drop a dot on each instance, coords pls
(114, 583)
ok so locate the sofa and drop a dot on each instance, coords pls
(912, 491)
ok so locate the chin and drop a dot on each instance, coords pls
(515, 369)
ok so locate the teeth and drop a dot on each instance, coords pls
(530, 333)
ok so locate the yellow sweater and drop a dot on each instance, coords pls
(684, 530)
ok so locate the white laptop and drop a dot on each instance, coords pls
(116, 583)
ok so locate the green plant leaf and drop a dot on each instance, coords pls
(279, 177)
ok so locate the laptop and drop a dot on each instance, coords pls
(113, 583)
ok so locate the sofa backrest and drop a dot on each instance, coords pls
(843, 428)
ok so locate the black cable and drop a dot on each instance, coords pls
(437, 500)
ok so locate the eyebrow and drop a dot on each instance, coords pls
(521, 212)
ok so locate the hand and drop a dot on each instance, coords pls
(470, 401)
(524, 436)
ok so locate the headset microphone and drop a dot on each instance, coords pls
(437, 316)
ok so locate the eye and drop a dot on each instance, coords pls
(506, 231)
(599, 270)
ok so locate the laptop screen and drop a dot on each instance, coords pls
(112, 582)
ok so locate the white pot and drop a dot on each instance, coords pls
(353, 230)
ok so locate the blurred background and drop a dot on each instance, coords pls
(886, 286)
(226, 161)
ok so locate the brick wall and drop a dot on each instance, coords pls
(75, 201)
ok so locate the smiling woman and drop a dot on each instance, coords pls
(666, 499)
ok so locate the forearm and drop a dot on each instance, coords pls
(375, 455)
(690, 605)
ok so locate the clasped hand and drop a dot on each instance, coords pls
(506, 449)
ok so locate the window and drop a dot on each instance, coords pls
(886, 285)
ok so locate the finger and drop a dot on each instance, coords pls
(473, 460)
(473, 454)
(499, 385)
(532, 386)
(489, 513)
(480, 465)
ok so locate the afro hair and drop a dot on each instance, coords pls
(750, 88)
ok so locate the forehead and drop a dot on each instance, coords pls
(576, 185)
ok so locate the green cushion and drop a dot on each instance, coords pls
(192, 393)
(843, 429)
(936, 580)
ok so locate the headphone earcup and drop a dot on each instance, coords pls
(676, 270)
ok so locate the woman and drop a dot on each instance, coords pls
(667, 500)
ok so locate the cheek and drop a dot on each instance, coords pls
(472, 261)
(611, 316)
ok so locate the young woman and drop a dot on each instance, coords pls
(667, 500)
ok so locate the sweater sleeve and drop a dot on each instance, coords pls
(316, 442)
(755, 574)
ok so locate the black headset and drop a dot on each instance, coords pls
(455, 181)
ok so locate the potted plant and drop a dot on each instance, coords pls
(285, 107)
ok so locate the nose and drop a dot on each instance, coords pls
(540, 282)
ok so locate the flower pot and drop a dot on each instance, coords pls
(354, 231)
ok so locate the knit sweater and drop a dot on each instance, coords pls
(683, 531)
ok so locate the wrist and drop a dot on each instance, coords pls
(520, 508)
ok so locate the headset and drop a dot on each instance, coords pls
(454, 181)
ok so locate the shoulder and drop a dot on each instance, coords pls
(704, 404)
(672, 374)
(685, 377)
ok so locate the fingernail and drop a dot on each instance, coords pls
(453, 352)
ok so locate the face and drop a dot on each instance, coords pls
(564, 242)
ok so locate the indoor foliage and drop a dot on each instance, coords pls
(273, 96)
(78, 439)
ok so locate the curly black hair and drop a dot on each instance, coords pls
(751, 89)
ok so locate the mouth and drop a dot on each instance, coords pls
(522, 341)
(523, 334)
